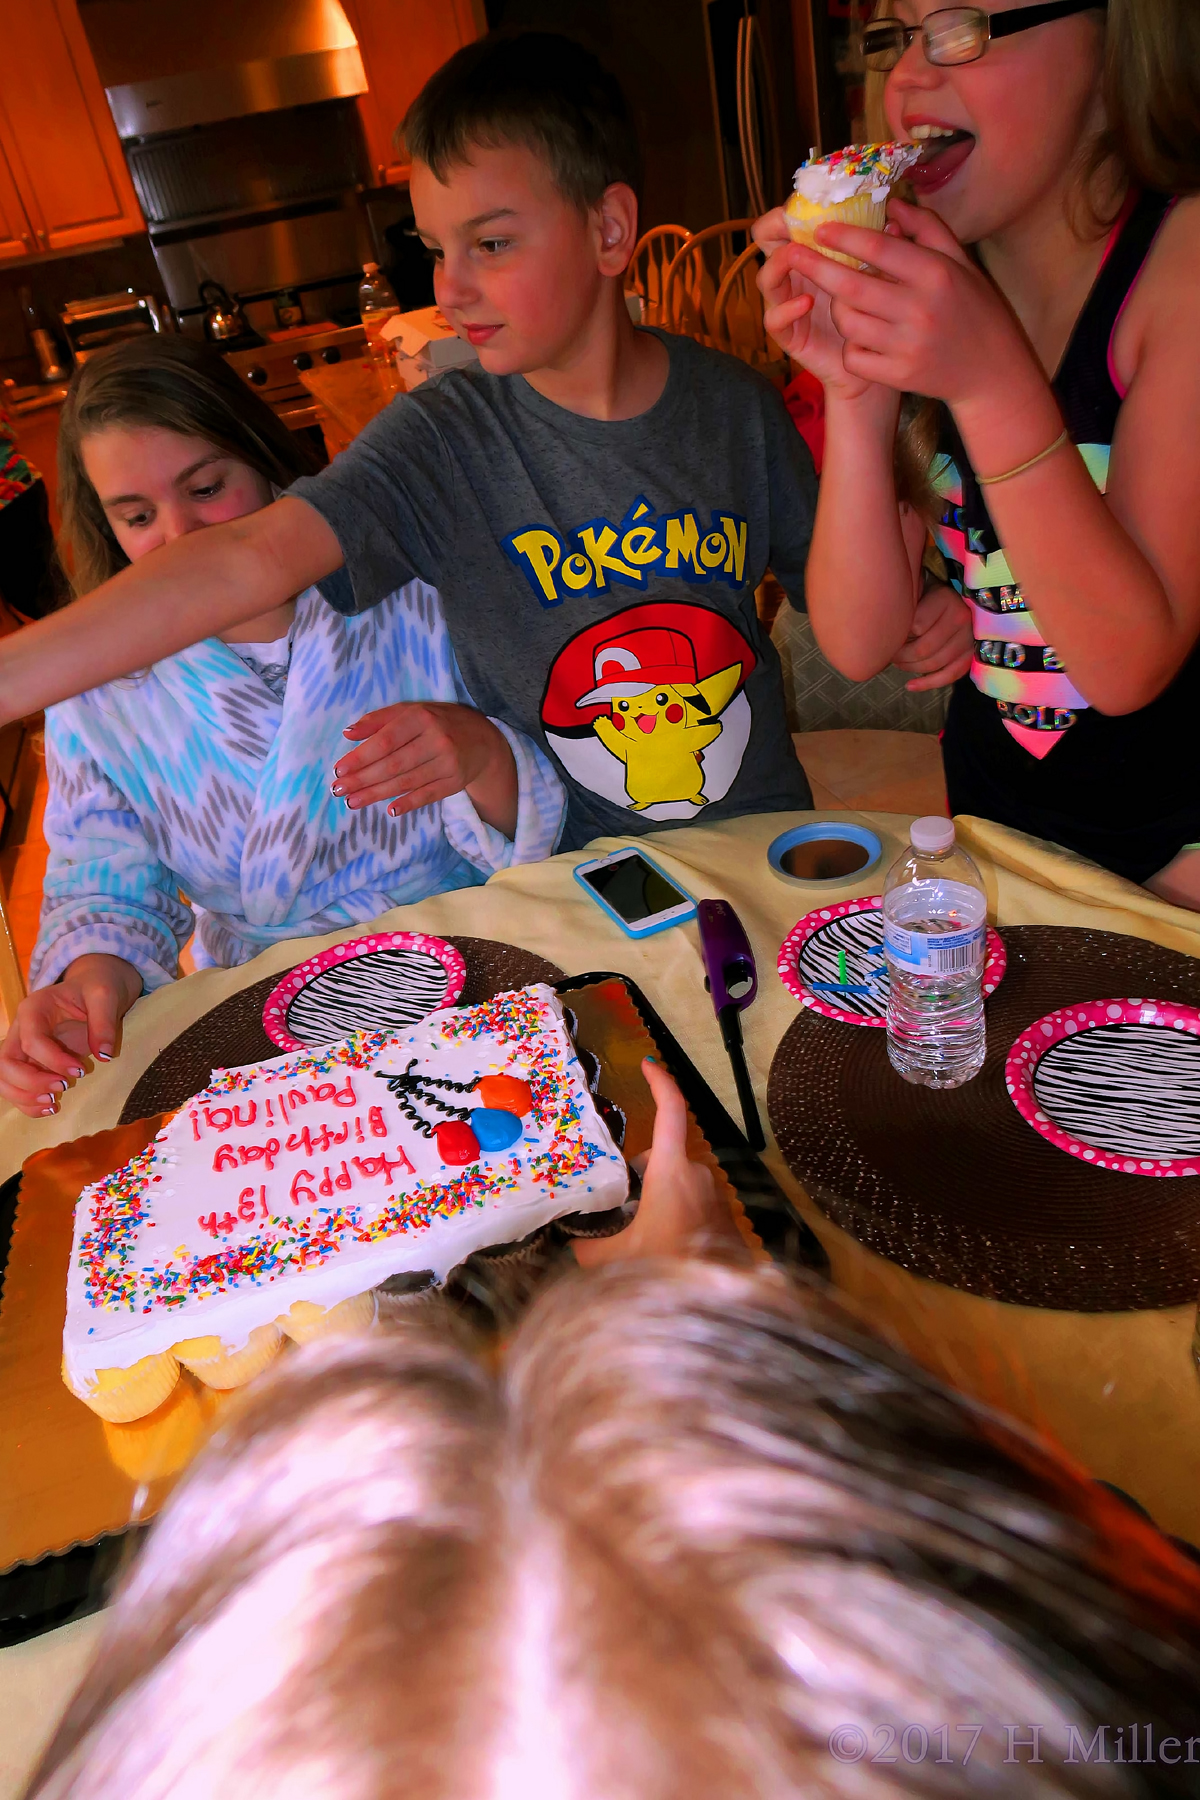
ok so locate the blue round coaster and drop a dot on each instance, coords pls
(824, 852)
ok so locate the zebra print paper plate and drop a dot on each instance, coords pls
(378, 983)
(1115, 1083)
(832, 961)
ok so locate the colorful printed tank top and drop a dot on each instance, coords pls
(1021, 744)
(1014, 665)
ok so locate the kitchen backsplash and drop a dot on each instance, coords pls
(64, 278)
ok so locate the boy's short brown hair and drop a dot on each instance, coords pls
(533, 88)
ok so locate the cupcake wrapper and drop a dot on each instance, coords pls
(598, 1224)
(311, 1321)
(803, 218)
(232, 1368)
(122, 1395)
(501, 1278)
(394, 1309)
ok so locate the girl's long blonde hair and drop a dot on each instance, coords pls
(1151, 140)
(700, 1538)
(174, 383)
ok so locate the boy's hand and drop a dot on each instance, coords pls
(421, 751)
(680, 1210)
(57, 1027)
(941, 645)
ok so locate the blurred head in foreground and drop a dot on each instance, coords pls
(698, 1532)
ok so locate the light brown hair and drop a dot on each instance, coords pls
(1150, 140)
(175, 383)
(698, 1532)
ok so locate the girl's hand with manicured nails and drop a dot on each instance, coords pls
(797, 313)
(934, 324)
(57, 1027)
(421, 751)
(941, 645)
(680, 1211)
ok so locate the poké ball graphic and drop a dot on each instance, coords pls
(646, 708)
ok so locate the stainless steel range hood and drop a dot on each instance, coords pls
(168, 67)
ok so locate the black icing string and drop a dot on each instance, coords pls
(409, 1087)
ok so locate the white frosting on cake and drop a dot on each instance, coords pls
(303, 1179)
(866, 169)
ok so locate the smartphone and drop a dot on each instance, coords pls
(635, 893)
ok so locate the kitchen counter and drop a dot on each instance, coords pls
(349, 394)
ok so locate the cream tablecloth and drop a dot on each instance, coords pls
(1117, 1390)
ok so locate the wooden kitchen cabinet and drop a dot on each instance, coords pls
(16, 233)
(65, 179)
(402, 43)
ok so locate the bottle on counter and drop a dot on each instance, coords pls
(51, 366)
(935, 942)
(377, 304)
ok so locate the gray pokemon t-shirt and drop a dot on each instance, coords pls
(598, 576)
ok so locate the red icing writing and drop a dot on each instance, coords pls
(237, 1113)
(381, 1165)
(250, 1209)
(228, 1157)
(327, 1183)
(299, 1192)
(328, 1090)
(217, 1227)
(375, 1120)
(312, 1142)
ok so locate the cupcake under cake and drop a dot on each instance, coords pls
(276, 1201)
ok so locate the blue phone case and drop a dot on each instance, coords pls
(634, 931)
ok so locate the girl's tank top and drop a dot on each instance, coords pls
(1022, 745)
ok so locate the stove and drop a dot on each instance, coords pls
(273, 369)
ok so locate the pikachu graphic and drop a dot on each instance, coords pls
(661, 717)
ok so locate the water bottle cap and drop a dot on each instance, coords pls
(931, 833)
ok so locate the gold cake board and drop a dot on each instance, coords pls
(71, 1478)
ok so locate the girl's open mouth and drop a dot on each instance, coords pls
(943, 153)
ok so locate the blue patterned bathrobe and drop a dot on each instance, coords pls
(196, 776)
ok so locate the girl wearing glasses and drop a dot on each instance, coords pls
(1040, 297)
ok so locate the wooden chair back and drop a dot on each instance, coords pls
(12, 981)
(648, 266)
(694, 276)
(738, 317)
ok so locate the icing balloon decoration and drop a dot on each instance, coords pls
(384, 982)
(832, 961)
(466, 1132)
(1115, 1083)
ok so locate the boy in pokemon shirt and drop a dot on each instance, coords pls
(595, 503)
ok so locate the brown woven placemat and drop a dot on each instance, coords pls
(955, 1186)
(232, 1033)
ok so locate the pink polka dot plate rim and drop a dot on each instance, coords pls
(1113, 1083)
(810, 968)
(385, 980)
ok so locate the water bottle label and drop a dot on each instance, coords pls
(928, 953)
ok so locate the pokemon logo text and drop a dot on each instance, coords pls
(642, 546)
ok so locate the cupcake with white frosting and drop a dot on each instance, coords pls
(850, 187)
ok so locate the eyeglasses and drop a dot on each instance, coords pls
(959, 34)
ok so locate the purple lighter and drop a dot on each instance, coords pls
(732, 980)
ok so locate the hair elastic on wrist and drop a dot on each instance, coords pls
(1064, 437)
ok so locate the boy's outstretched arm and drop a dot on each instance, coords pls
(188, 590)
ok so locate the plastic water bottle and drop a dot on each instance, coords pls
(377, 304)
(934, 940)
